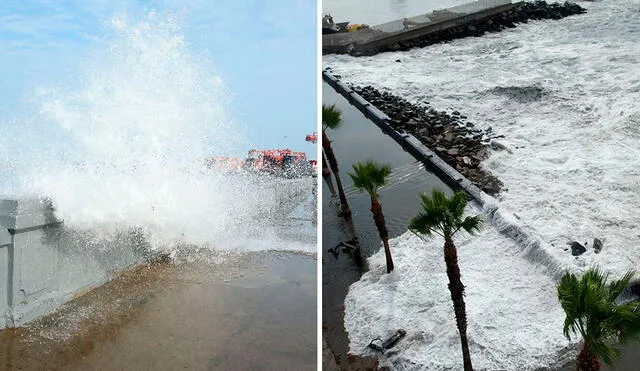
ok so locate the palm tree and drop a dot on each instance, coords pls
(444, 216)
(326, 175)
(370, 177)
(332, 119)
(592, 311)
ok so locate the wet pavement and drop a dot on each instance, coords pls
(255, 311)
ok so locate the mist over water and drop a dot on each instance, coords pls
(121, 145)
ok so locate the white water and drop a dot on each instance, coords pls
(121, 146)
(564, 93)
(514, 320)
(572, 173)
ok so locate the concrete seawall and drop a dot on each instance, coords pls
(43, 264)
(471, 19)
(503, 220)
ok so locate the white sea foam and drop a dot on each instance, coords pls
(571, 173)
(564, 94)
(130, 134)
(514, 319)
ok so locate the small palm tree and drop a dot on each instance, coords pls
(592, 311)
(444, 216)
(370, 177)
(332, 119)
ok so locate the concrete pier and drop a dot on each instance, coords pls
(471, 19)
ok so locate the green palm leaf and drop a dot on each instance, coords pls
(331, 117)
(370, 177)
(591, 310)
(443, 216)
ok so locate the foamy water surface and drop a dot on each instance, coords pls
(564, 93)
(122, 146)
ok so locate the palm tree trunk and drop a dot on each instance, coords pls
(326, 146)
(587, 360)
(457, 296)
(326, 175)
(378, 218)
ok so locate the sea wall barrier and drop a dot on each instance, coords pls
(507, 223)
(472, 19)
(43, 264)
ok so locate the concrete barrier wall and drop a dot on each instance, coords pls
(397, 25)
(383, 36)
(536, 249)
(43, 264)
(477, 6)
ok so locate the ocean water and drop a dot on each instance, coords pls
(121, 145)
(564, 94)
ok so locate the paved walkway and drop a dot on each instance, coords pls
(255, 312)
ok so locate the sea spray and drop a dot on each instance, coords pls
(129, 136)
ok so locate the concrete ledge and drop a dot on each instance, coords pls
(503, 220)
(43, 264)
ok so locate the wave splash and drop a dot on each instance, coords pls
(130, 136)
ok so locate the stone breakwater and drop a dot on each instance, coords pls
(450, 136)
(521, 13)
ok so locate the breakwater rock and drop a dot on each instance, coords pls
(521, 13)
(451, 136)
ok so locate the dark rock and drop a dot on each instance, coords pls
(397, 60)
(460, 146)
(491, 188)
(412, 123)
(597, 245)
(577, 249)
(497, 146)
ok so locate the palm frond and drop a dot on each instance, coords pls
(616, 287)
(606, 352)
(591, 310)
(370, 176)
(472, 224)
(627, 318)
(427, 224)
(444, 214)
(569, 297)
(457, 203)
(331, 117)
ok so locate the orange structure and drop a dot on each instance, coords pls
(275, 160)
(313, 138)
(224, 163)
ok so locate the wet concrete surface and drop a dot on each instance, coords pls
(254, 311)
